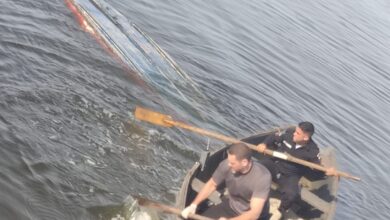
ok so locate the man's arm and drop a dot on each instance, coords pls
(315, 158)
(207, 189)
(270, 142)
(256, 207)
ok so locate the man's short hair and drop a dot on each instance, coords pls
(307, 127)
(240, 150)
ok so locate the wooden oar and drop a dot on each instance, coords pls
(167, 121)
(167, 209)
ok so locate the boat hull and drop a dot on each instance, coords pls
(136, 50)
(318, 195)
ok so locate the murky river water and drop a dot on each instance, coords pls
(69, 146)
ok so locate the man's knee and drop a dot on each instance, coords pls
(291, 194)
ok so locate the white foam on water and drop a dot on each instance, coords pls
(141, 215)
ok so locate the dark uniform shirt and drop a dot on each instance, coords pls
(284, 143)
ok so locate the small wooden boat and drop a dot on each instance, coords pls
(318, 194)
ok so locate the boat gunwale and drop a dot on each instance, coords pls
(332, 182)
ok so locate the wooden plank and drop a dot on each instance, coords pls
(314, 200)
(312, 185)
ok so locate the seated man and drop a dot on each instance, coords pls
(248, 184)
(297, 142)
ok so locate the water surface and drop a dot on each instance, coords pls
(68, 141)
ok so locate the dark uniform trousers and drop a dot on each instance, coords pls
(223, 210)
(287, 174)
(287, 183)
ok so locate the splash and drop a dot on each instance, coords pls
(128, 210)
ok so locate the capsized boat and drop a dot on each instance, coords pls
(134, 48)
(318, 194)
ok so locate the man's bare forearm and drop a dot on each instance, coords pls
(207, 189)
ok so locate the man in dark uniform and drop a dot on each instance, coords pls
(297, 142)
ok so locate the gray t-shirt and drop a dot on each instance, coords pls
(242, 187)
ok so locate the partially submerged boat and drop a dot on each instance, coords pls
(135, 49)
(318, 194)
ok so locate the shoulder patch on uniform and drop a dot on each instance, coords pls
(287, 144)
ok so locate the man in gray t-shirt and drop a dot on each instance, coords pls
(248, 185)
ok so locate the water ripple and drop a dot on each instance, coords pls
(68, 140)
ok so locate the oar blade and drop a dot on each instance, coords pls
(152, 117)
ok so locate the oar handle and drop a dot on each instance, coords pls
(202, 131)
(310, 164)
(173, 210)
(256, 148)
